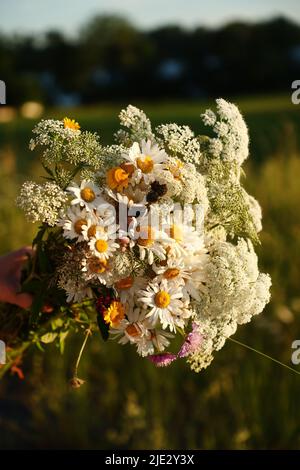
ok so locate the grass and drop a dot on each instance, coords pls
(242, 401)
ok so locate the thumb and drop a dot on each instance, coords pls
(23, 300)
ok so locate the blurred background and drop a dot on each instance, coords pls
(87, 60)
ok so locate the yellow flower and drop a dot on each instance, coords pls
(71, 124)
(117, 178)
(114, 314)
(162, 299)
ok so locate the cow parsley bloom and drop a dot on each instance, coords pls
(42, 203)
(232, 141)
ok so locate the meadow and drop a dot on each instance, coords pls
(242, 401)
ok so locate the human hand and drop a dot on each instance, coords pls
(10, 276)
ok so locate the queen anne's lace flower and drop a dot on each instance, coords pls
(180, 142)
(232, 139)
(42, 203)
(236, 292)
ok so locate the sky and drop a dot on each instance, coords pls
(35, 16)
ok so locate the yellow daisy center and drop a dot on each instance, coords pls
(176, 233)
(171, 273)
(162, 299)
(132, 330)
(71, 124)
(146, 236)
(101, 246)
(78, 225)
(145, 164)
(88, 195)
(98, 266)
(114, 314)
(125, 283)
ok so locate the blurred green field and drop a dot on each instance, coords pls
(242, 401)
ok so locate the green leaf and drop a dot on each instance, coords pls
(57, 323)
(39, 236)
(62, 338)
(48, 337)
(39, 346)
(103, 327)
(31, 286)
(43, 260)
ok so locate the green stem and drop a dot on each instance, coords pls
(87, 334)
(265, 355)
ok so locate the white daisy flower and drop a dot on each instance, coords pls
(75, 223)
(185, 239)
(128, 287)
(150, 241)
(166, 306)
(197, 277)
(96, 227)
(97, 269)
(149, 244)
(127, 209)
(124, 198)
(136, 329)
(172, 269)
(77, 293)
(148, 160)
(102, 246)
(86, 195)
(188, 271)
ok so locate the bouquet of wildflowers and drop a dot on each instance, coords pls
(149, 241)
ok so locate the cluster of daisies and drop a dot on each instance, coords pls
(154, 301)
(143, 235)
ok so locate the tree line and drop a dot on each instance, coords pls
(111, 59)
